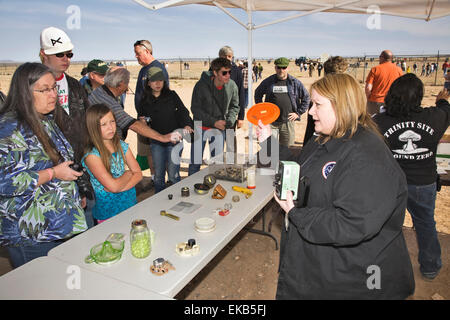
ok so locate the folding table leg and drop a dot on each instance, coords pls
(263, 229)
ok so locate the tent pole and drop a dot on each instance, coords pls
(437, 68)
(249, 80)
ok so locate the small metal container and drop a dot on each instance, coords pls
(201, 188)
(185, 191)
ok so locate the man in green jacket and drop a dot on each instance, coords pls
(215, 107)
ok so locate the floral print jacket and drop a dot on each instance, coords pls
(31, 214)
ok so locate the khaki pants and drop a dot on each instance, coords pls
(286, 132)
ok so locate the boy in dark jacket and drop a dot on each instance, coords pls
(56, 53)
(215, 105)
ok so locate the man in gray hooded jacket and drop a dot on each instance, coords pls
(215, 107)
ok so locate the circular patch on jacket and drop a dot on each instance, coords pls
(326, 170)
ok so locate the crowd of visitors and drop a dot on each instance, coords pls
(65, 166)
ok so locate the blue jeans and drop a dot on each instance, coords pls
(88, 213)
(215, 147)
(24, 254)
(162, 159)
(421, 204)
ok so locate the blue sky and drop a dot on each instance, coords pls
(108, 29)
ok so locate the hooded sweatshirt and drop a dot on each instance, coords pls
(210, 104)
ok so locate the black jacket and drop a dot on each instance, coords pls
(413, 141)
(167, 112)
(238, 78)
(2, 99)
(350, 225)
(73, 126)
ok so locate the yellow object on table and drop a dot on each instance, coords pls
(243, 190)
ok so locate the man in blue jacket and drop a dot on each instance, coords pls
(289, 94)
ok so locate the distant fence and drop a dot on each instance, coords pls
(179, 68)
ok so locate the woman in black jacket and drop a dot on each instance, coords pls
(343, 239)
(413, 134)
(164, 112)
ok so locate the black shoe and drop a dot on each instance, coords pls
(429, 276)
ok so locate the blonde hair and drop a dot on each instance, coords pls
(93, 116)
(349, 103)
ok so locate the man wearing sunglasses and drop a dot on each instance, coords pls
(214, 105)
(95, 77)
(56, 53)
(289, 94)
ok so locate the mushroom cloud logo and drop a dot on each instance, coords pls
(410, 147)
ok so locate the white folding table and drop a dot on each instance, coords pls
(169, 233)
(47, 278)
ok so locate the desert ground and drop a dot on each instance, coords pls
(247, 267)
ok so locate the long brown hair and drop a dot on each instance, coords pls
(349, 103)
(20, 100)
(93, 116)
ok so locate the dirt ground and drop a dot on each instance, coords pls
(247, 267)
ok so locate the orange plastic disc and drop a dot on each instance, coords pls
(265, 111)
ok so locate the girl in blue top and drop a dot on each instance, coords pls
(105, 159)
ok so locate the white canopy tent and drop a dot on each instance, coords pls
(414, 9)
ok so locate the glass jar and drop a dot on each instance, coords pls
(140, 239)
(251, 177)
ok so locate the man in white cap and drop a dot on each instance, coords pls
(56, 53)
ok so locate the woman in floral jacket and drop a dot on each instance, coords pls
(39, 200)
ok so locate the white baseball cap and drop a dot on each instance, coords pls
(54, 40)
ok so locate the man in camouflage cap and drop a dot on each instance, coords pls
(289, 94)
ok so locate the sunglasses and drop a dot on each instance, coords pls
(143, 43)
(224, 73)
(282, 68)
(62, 54)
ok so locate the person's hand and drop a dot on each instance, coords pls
(293, 116)
(444, 94)
(187, 130)
(240, 123)
(83, 202)
(220, 124)
(127, 173)
(287, 204)
(263, 131)
(64, 172)
(175, 137)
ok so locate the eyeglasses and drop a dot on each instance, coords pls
(47, 90)
(283, 68)
(224, 73)
(62, 54)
